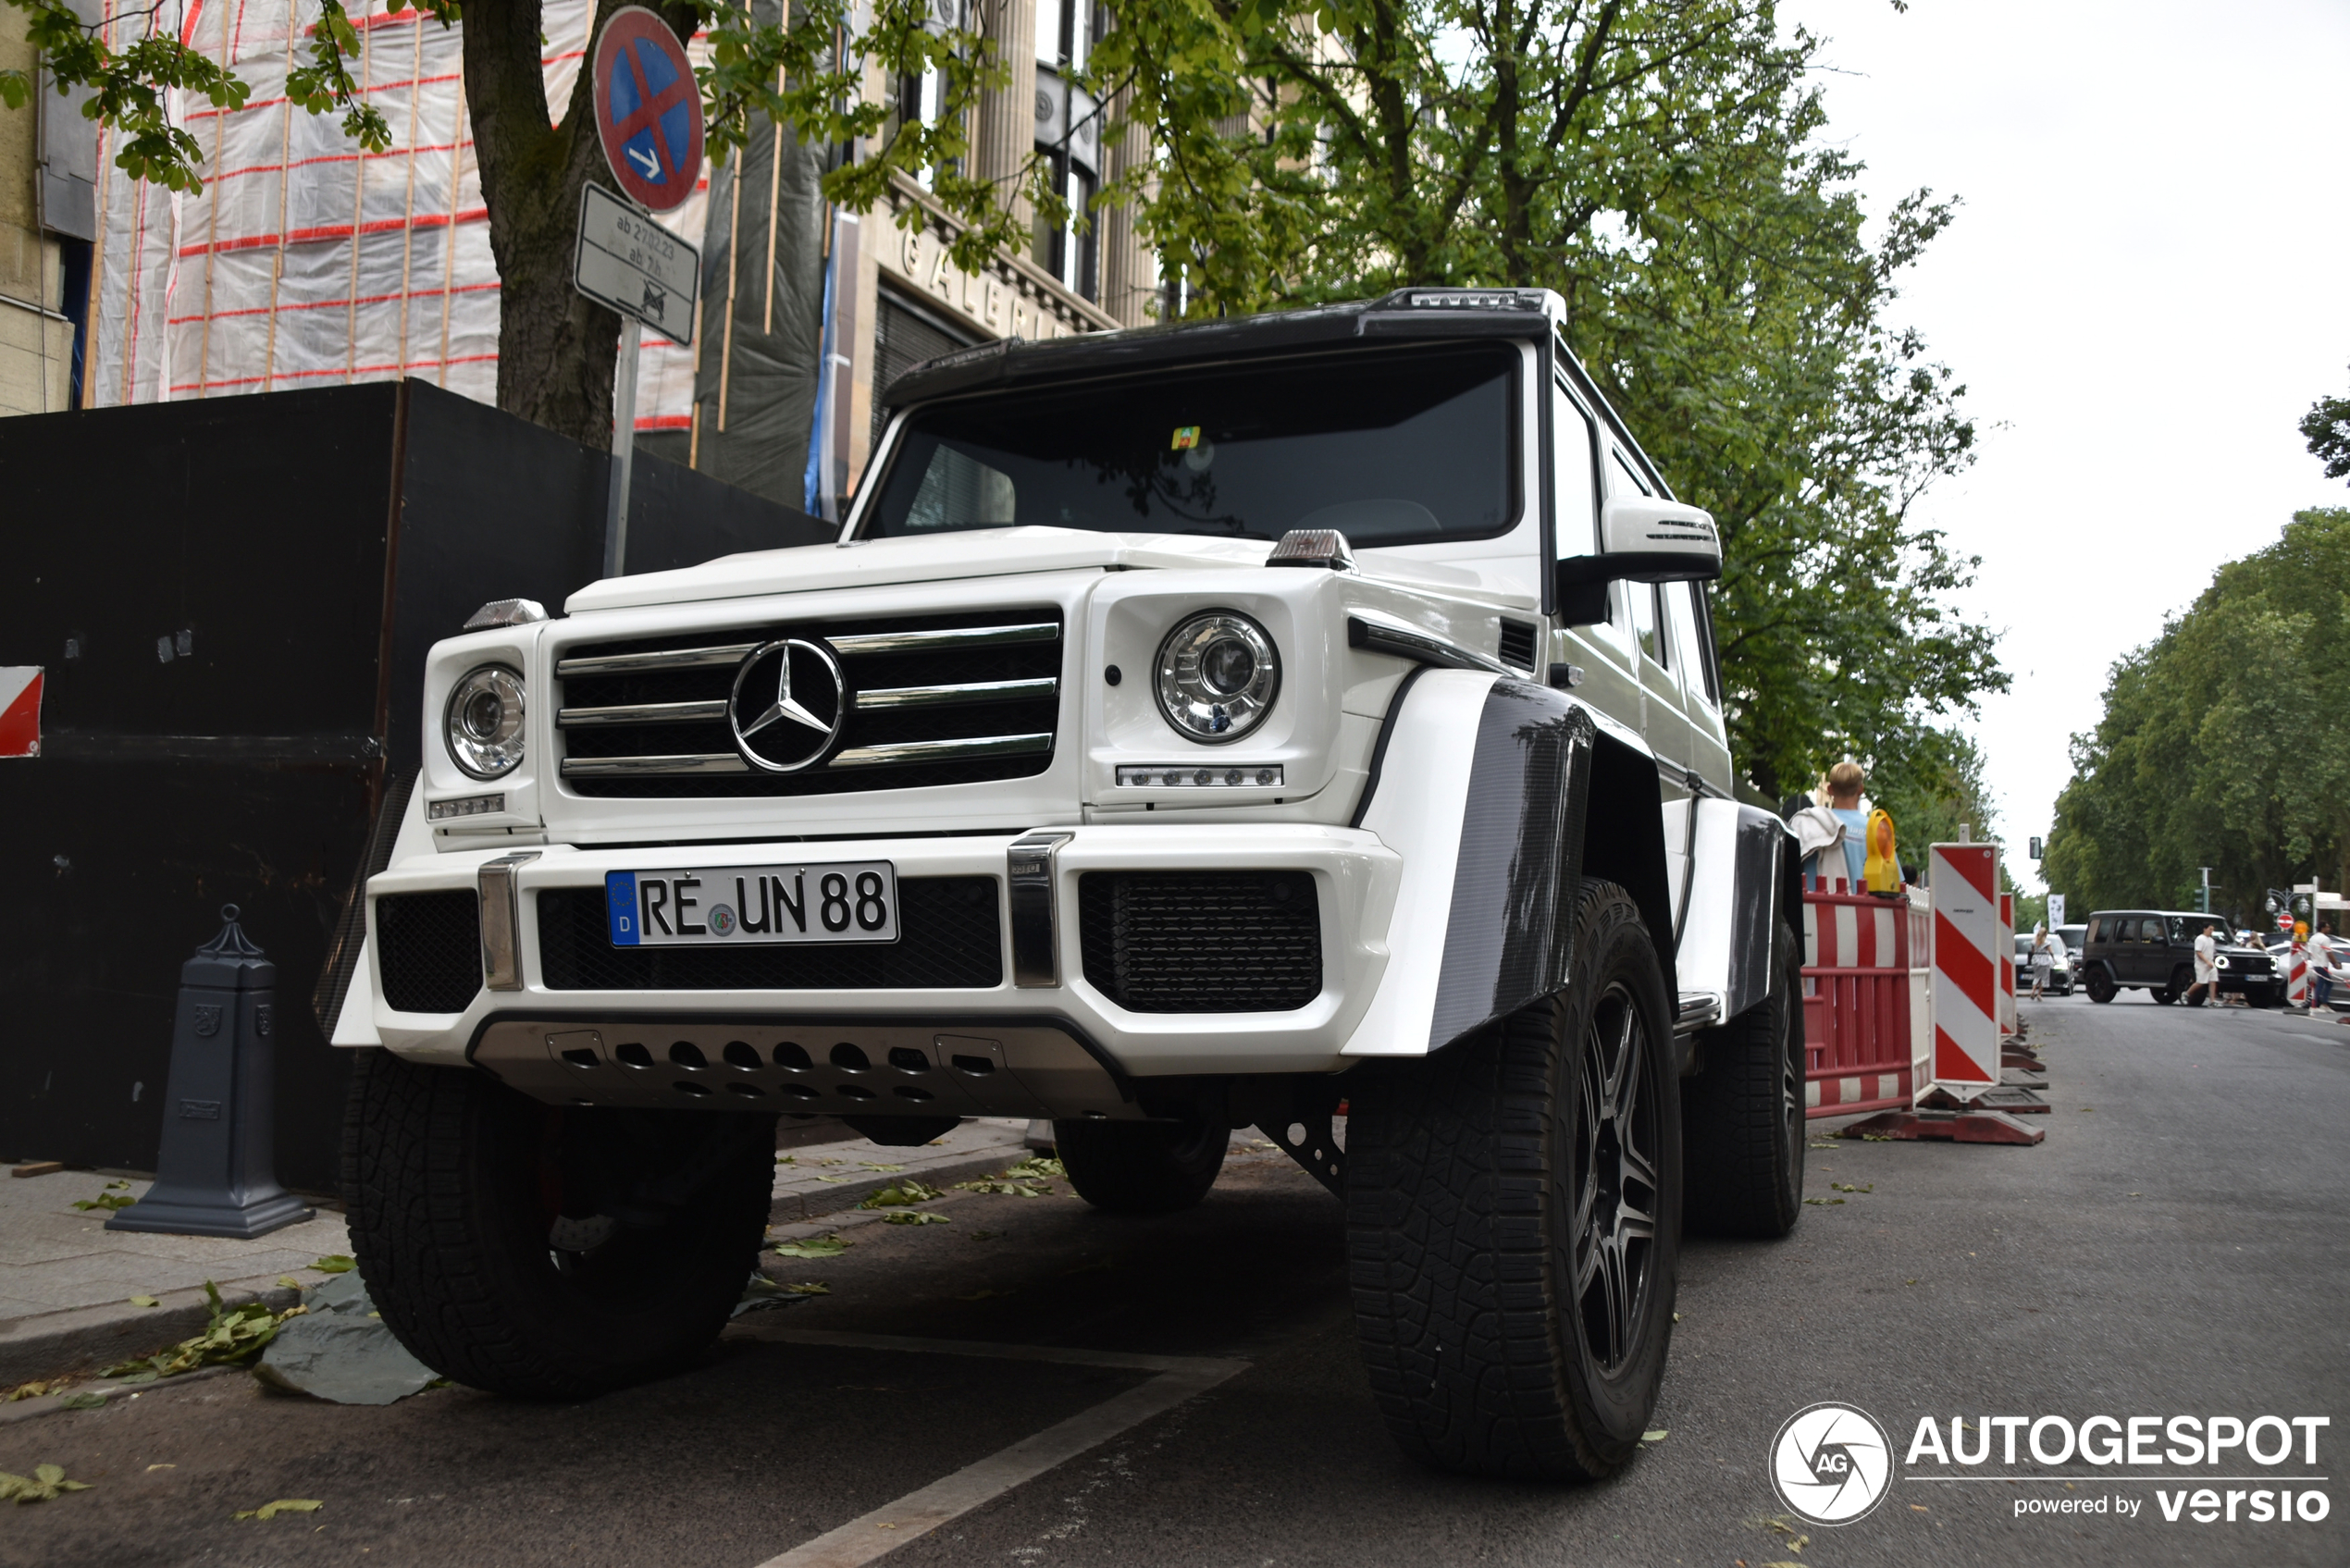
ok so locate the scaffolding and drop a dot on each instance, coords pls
(307, 260)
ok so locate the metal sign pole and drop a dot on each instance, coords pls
(623, 450)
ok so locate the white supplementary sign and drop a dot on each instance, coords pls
(630, 263)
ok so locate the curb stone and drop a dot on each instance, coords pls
(80, 1339)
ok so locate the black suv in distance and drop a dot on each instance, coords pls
(2154, 950)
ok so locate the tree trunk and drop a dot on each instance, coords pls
(556, 351)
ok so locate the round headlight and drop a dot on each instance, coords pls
(1218, 676)
(484, 721)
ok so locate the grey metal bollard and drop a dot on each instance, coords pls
(216, 1174)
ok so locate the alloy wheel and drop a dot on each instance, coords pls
(1617, 1140)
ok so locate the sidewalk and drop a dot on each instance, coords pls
(65, 1281)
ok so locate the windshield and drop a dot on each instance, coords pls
(1411, 447)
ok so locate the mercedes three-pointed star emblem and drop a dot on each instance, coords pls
(794, 726)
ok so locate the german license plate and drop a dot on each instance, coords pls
(734, 906)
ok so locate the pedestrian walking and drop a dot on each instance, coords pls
(2042, 961)
(2322, 950)
(2206, 964)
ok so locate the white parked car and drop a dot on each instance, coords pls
(1190, 729)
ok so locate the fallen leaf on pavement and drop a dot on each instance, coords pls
(84, 1401)
(820, 1176)
(786, 1159)
(230, 1337)
(808, 1288)
(144, 1301)
(813, 1247)
(283, 1505)
(1848, 1186)
(46, 1481)
(868, 1164)
(34, 1390)
(898, 1194)
(914, 1216)
(335, 1262)
(1655, 1435)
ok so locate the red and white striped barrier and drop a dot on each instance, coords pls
(2007, 964)
(1966, 989)
(1864, 1003)
(20, 711)
(2296, 977)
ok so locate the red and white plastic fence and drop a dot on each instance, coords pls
(1865, 1000)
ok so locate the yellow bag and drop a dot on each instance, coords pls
(1880, 872)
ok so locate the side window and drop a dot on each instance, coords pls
(1571, 484)
(2150, 928)
(1688, 640)
(1640, 603)
(1625, 477)
(2091, 934)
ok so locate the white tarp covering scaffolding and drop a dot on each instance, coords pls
(307, 260)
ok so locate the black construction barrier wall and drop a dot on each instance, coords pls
(232, 600)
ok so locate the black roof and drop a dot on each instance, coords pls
(1406, 313)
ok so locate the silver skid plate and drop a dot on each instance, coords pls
(829, 1067)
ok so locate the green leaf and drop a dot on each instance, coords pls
(915, 1216)
(1848, 1186)
(1655, 1435)
(283, 1505)
(81, 1402)
(901, 1193)
(46, 1482)
(813, 1247)
(144, 1302)
(334, 1263)
(871, 1166)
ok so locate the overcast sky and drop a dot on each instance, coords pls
(2146, 286)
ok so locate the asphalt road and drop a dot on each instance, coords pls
(2176, 1246)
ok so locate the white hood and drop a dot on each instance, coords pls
(986, 552)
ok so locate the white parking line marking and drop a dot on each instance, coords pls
(917, 1513)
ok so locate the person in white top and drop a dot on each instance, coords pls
(2323, 951)
(2207, 965)
(2042, 961)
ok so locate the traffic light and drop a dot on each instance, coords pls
(2038, 845)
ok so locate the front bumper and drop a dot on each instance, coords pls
(1057, 1027)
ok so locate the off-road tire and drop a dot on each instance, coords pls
(2100, 986)
(454, 1182)
(1742, 1116)
(1141, 1166)
(1467, 1174)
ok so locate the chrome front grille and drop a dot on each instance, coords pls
(931, 699)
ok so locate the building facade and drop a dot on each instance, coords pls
(308, 260)
(47, 156)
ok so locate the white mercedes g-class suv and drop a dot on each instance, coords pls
(1191, 728)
